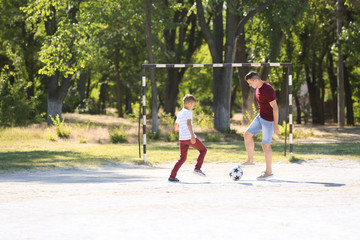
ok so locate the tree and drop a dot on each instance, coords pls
(221, 53)
(340, 78)
(149, 45)
(181, 38)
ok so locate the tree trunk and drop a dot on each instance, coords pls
(313, 94)
(56, 96)
(248, 94)
(181, 43)
(298, 109)
(102, 96)
(283, 97)
(154, 94)
(223, 77)
(340, 79)
(172, 90)
(348, 99)
(118, 83)
(333, 84)
(81, 86)
(128, 101)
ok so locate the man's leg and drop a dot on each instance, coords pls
(267, 133)
(249, 145)
(268, 157)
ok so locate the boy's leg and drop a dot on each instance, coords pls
(184, 146)
(202, 152)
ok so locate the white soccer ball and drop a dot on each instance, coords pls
(236, 173)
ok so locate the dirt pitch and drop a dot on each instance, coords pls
(308, 200)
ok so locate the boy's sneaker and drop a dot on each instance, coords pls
(265, 176)
(199, 172)
(173, 180)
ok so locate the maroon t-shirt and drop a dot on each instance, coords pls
(264, 96)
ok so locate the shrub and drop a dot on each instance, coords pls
(212, 138)
(204, 121)
(82, 140)
(62, 130)
(170, 124)
(50, 135)
(154, 136)
(15, 107)
(173, 137)
(117, 135)
(248, 117)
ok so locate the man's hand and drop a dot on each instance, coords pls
(193, 140)
(276, 129)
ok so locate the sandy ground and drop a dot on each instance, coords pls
(308, 200)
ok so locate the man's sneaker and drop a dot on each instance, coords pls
(265, 176)
(199, 172)
(174, 180)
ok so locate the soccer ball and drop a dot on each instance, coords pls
(236, 173)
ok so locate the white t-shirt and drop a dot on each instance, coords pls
(181, 119)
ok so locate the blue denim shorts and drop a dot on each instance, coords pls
(259, 124)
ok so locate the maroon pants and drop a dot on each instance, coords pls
(184, 147)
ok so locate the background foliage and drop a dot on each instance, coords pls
(103, 47)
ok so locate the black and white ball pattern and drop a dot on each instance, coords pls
(236, 173)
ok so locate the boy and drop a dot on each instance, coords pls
(266, 121)
(187, 137)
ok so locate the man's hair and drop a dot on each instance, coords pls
(188, 98)
(252, 75)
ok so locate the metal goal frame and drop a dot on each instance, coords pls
(215, 65)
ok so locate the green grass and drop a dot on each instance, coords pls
(70, 155)
(24, 148)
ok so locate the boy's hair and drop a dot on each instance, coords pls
(188, 98)
(252, 75)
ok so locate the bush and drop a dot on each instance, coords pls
(50, 135)
(117, 135)
(62, 130)
(204, 121)
(212, 138)
(154, 136)
(173, 137)
(15, 107)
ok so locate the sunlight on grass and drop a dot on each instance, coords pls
(89, 146)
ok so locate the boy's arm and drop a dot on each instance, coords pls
(275, 108)
(176, 127)
(191, 131)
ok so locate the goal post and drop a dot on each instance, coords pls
(214, 65)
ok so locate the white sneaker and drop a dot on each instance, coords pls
(200, 173)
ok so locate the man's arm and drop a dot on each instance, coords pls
(275, 108)
(193, 141)
(176, 127)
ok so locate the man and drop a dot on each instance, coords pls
(266, 121)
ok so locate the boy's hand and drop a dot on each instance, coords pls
(276, 129)
(193, 140)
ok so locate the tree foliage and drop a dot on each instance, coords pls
(86, 56)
